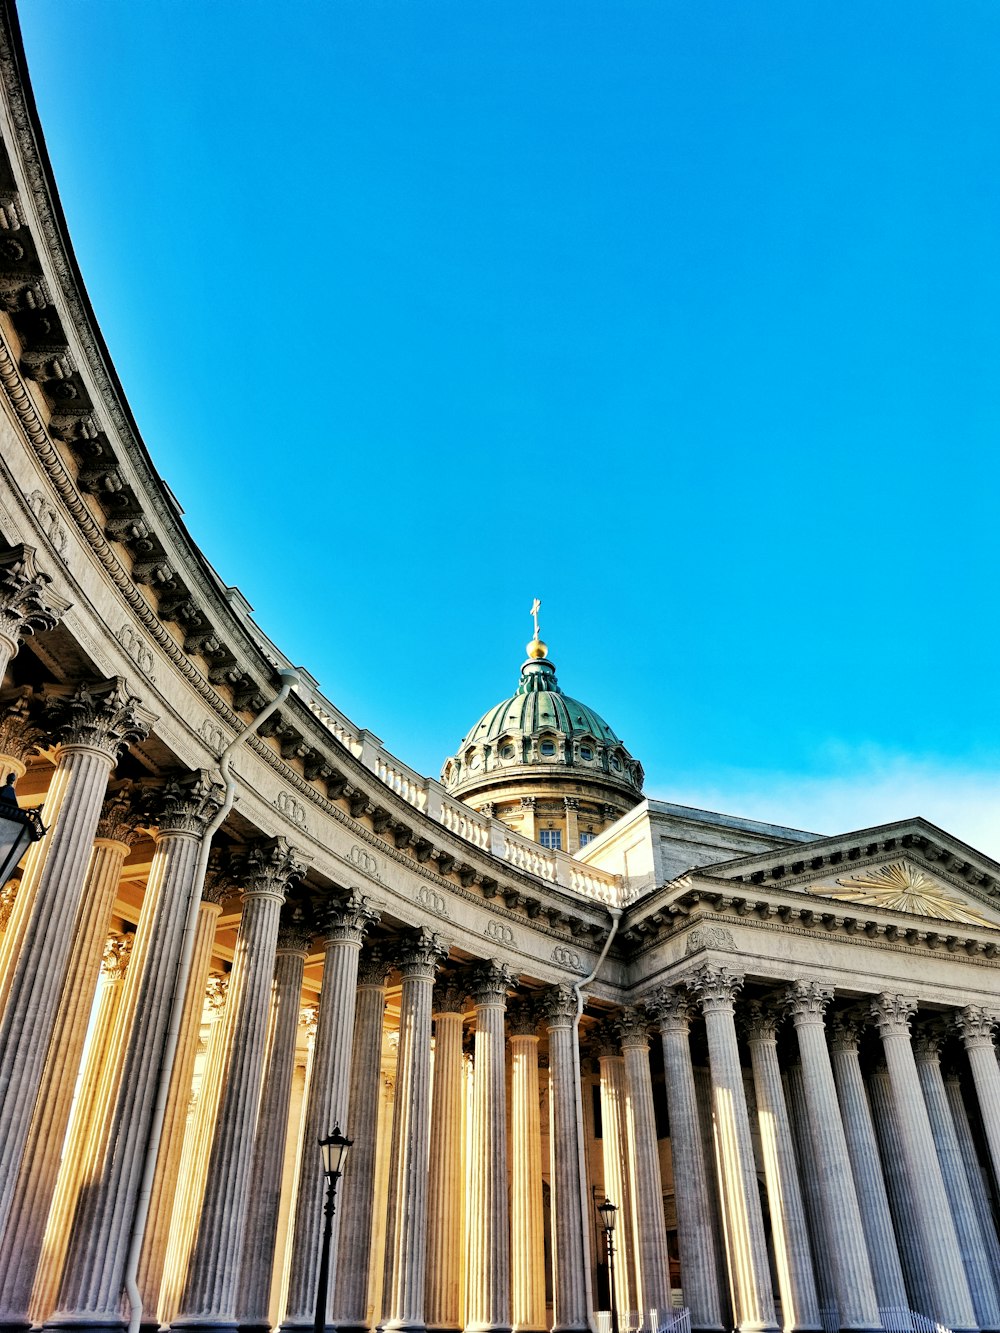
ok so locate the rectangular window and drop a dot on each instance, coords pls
(551, 837)
(585, 838)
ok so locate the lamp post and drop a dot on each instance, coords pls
(18, 830)
(334, 1149)
(609, 1215)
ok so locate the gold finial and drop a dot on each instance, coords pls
(536, 648)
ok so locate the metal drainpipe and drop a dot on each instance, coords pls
(288, 680)
(616, 916)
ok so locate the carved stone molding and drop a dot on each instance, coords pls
(976, 1025)
(421, 952)
(270, 868)
(489, 982)
(559, 1006)
(104, 716)
(632, 1027)
(806, 1002)
(760, 1019)
(27, 603)
(348, 919)
(186, 804)
(670, 1007)
(892, 1014)
(714, 988)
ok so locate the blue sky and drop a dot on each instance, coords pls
(682, 317)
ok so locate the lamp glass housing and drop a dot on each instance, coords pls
(334, 1149)
(609, 1214)
(18, 830)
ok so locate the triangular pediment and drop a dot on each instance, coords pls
(910, 867)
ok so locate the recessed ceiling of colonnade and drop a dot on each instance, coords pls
(680, 316)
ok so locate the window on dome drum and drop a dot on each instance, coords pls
(507, 752)
(585, 838)
(551, 838)
(586, 752)
(548, 747)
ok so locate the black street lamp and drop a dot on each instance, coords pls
(609, 1215)
(18, 830)
(334, 1149)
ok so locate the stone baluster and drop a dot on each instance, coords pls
(942, 1259)
(175, 1118)
(569, 1259)
(409, 1158)
(92, 1280)
(696, 1231)
(94, 724)
(197, 1148)
(28, 603)
(844, 1232)
(652, 1259)
(488, 1278)
(973, 1169)
(84, 1124)
(897, 1188)
(21, 1246)
(715, 989)
(327, 1105)
(927, 1053)
(527, 1219)
(358, 1187)
(257, 1262)
(862, 1148)
(789, 1233)
(445, 1183)
(976, 1026)
(617, 1165)
(210, 1295)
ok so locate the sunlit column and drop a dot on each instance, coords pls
(615, 1156)
(527, 1223)
(976, 1027)
(942, 1259)
(973, 1169)
(94, 723)
(789, 1234)
(715, 989)
(406, 1229)
(92, 1279)
(445, 1183)
(651, 1259)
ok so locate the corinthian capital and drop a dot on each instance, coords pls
(632, 1028)
(760, 1019)
(489, 983)
(449, 995)
(119, 815)
(295, 932)
(522, 1018)
(892, 1014)
(928, 1039)
(806, 1001)
(670, 1007)
(216, 991)
(117, 952)
(346, 921)
(715, 988)
(104, 716)
(27, 603)
(270, 868)
(8, 894)
(559, 1006)
(976, 1025)
(187, 803)
(374, 966)
(421, 951)
(20, 733)
(845, 1029)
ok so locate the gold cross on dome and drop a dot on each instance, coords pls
(535, 608)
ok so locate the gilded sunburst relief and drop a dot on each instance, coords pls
(904, 888)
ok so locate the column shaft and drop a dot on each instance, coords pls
(445, 1185)
(618, 1174)
(976, 1026)
(527, 1224)
(973, 1171)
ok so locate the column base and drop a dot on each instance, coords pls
(15, 1325)
(481, 1326)
(206, 1325)
(402, 1326)
(256, 1326)
(86, 1323)
(351, 1326)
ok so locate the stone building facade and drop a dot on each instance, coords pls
(248, 921)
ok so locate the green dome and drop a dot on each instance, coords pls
(540, 705)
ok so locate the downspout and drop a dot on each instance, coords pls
(616, 916)
(288, 680)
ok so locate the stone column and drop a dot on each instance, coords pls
(951, 1300)
(572, 807)
(327, 1105)
(91, 1288)
(357, 1190)
(257, 1262)
(845, 1236)
(527, 1221)
(84, 1125)
(445, 1184)
(715, 989)
(528, 817)
(209, 1300)
(617, 1166)
(175, 1118)
(795, 1101)
(862, 1148)
(488, 1277)
(21, 1246)
(569, 1257)
(94, 724)
(652, 1260)
(927, 1052)
(406, 1228)
(973, 1168)
(695, 1228)
(28, 604)
(789, 1233)
(976, 1025)
(897, 1188)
